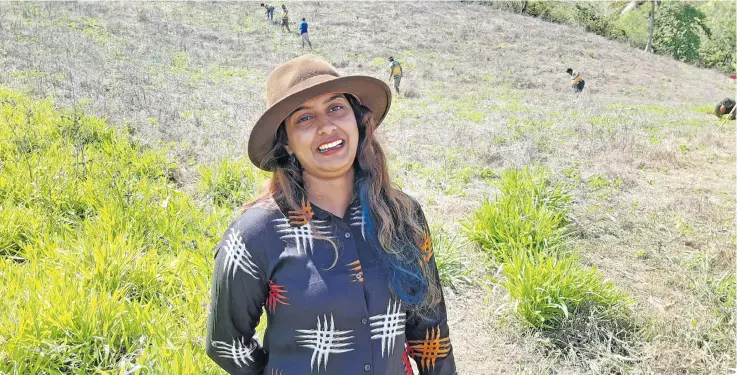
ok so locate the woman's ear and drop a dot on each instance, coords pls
(289, 150)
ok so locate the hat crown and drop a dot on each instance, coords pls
(294, 72)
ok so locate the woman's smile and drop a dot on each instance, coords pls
(330, 147)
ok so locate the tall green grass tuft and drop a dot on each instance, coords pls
(105, 265)
(526, 232)
(231, 183)
(529, 216)
(453, 266)
(548, 289)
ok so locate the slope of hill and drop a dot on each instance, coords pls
(652, 168)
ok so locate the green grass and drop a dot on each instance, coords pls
(549, 289)
(105, 266)
(453, 266)
(231, 183)
(526, 232)
(529, 215)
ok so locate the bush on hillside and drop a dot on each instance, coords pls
(525, 231)
(105, 265)
(595, 17)
(632, 27)
(529, 215)
(717, 50)
(549, 290)
(678, 29)
(231, 183)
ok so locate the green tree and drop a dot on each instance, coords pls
(718, 50)
(678, 29)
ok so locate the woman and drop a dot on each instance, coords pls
(340, 259)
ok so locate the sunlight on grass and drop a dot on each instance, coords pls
(105, 266)
(525, 230)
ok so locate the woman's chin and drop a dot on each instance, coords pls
(330, 168)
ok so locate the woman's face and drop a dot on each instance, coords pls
(323, 134)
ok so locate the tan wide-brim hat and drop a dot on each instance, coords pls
(299, 80)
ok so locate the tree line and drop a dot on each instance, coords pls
(700, 33)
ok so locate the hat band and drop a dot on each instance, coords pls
(312, 81)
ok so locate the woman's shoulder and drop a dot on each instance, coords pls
(257, 221)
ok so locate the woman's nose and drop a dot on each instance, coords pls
(327, 126)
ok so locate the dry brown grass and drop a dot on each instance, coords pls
(484, 91)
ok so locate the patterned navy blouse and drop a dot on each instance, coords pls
(323, 316)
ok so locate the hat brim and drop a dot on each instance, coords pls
(371, 92)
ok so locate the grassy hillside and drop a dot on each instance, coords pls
(649, 170)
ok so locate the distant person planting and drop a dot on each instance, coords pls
(395, 71)
(577, 81)
(269, 11)
(285, 18)
(725, 107)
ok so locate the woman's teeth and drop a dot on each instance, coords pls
(328, 146)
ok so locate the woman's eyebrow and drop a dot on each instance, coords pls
(303, 107)
(333, 98)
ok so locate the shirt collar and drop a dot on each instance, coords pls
(321, 214)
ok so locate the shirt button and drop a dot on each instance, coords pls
(367, 368)
(347, 235)
(364, 320)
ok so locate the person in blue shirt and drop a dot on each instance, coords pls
(303, 33)
(335, 257)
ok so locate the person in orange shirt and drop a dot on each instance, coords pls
(577, 81)
(395, 72)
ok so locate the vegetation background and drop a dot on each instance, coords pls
(698, 32)
(587, 235)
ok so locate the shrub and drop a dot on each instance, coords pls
(548, 289)
(633, 27)
(526, 231)
(717, 49)
(678, 28)
(594, 17)
(529, 215)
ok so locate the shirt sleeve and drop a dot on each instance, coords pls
(428, 336)
(238, 293)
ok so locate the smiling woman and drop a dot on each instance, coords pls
(323, 135)
(341, 259)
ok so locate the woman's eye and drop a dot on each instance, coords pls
(335, 108)
(304, 118)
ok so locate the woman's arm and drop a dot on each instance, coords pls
(428, 336)
(238, 295)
